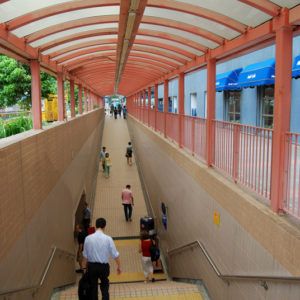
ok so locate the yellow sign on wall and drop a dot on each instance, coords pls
(216, 218)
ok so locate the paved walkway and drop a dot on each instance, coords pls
(130, 284)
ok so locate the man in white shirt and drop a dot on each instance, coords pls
(98, 247)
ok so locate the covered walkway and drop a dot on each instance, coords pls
(108, 205)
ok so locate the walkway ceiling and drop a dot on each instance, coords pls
(121, 46)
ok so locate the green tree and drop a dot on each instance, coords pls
(15, 83)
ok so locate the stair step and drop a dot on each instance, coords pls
(162, 290)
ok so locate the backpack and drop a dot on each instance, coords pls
(84, 287)
(154, 252)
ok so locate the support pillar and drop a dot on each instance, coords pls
(80, 99)
(149, 105)
(180, 107)
(282, 107)
(155, 105)
(211, 108)
(166, 105)
(60, 97)
(144, 104)
(36, 94)
(72, 95)
(85, 100)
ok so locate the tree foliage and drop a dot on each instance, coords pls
(15, 83)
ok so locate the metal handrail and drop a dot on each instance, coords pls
(44, 274)
(234, 276)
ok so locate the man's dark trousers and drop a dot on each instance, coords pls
(98, 270)
(127, 211)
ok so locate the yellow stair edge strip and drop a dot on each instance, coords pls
(134, 276)
(191, 296)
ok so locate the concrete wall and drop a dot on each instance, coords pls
(250, 240)
(43, 175)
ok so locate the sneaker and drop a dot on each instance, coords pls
(153, 280)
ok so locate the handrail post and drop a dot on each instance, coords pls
(236, 144)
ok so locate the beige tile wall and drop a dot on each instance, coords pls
(42, 179)
(250, 238)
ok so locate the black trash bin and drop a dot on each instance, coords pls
(147, 224)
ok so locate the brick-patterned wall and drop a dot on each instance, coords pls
(250, 239)
(42, 179)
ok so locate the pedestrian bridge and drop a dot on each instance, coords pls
(219, 238)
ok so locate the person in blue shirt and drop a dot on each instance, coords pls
(124, 111)
(98, 247)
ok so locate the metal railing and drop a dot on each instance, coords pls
(44, 275)
(228, 277)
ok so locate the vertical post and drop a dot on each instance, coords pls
(180, 107)
(80, 99)
(166, 105)
(149, 105)
(236, 149)
(36, 94)
(282, 106)
(60, 97)
(90, 101)
(211, 106)
(155, 105)
(144, 104)
(72, 95)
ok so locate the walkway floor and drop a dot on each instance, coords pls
(130, 284)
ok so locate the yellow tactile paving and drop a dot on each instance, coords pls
(133, 277)
(194, 296)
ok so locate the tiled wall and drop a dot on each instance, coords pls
(42, 178)
(250, 239)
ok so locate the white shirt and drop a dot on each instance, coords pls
(98, 247)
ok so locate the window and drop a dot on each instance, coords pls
(175, 105)
(160, 104)
(194, 104)
(267, 108)
(233, 106)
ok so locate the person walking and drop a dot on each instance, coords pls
(80, 238)
(107, 164)
(98, 247)
(129, 153)
(116, 113)
(124, 112)
(102, 157)
(127, 201)
(144, 248)
(86, 217)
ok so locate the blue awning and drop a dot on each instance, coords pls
(296, 67)
(258, 74)
(227, 80)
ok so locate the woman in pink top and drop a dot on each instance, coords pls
(127, 201)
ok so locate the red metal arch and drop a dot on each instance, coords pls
(185, 27)
(200, 12)
(78, 36)
(57, 9)
(264, 6)
(70, 25)
(173, 38)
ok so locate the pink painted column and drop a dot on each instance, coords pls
(80, 99)
(144, 105)
(141, 106)
(36, 94)
(85, 100)
(155, 105)
(180, 107)
(166, 104)
(282, 107)
(60, 97)
(211, 107)
(149, 104)
(90, 101)
(72, 95)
